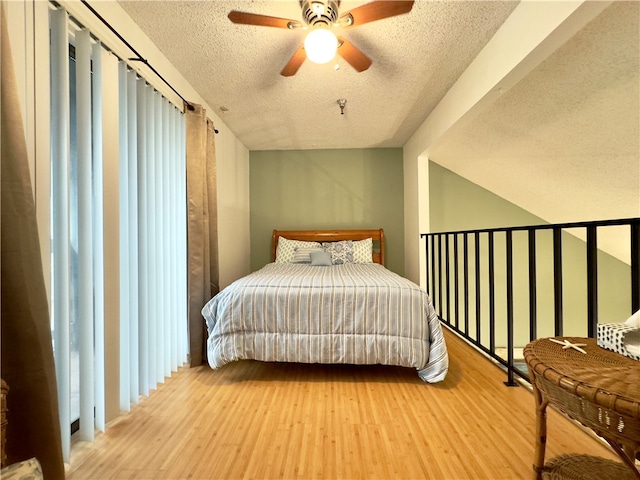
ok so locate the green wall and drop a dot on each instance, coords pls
(457, 204)
(325, 189)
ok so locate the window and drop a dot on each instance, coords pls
(118, 223)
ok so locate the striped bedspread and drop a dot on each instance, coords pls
(353, 313)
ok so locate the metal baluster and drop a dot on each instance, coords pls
(456, 267)
(533, 296)
(492, 294)
(448, 276)
(477, 259)
(557, 280)
(635, 266)
(510, 382)
(440, 309)
(592, 281)
(466, 280)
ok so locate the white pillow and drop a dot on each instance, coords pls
(286, 249)
(363, 251)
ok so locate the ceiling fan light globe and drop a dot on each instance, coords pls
(320, 45)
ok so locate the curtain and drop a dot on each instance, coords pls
(118, 221)
(27, 355)
(154, 327)
(202, 225)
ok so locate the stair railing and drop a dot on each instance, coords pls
(449, 260)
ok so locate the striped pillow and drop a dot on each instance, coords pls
(303, 254)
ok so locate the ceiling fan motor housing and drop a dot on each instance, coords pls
(321, 16)
(318, 13)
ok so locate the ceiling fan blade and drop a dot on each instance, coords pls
(354, 56)
(292, 67)
(370, 12)
(245, 18)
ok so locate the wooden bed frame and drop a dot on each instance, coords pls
(332, 236)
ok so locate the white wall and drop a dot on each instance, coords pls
(232, 159)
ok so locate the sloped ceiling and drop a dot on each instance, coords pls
(564, 142)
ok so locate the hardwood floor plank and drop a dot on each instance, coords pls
(258, 420)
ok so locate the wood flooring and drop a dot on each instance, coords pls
(252, 420)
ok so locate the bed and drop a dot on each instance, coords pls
(326, 297)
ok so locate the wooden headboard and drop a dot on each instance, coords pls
(332, 236)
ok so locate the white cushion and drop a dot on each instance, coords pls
(363, 251)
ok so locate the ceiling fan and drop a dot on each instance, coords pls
(320, 16)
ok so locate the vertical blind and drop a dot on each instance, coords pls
(118, 221)
(60, 159)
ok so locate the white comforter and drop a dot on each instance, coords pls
(353, 313)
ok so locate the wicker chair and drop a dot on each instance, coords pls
(599, 389)
(585, 467)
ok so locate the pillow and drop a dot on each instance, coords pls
(286, 248)
(341, 252)
(363, 251)
(320, 258)
(302, 254)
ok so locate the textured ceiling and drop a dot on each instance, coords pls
(566, 139)
(563, 143)
(416, 58)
